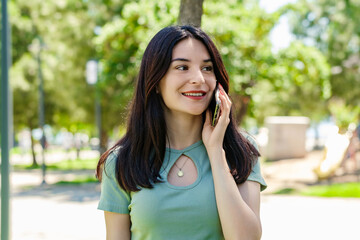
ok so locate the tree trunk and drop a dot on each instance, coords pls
(34, 163)
(103, 142)
(241, 104)
(190, 12)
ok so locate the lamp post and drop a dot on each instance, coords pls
(5, 123)
(41, 111)
(36, 48)
(92, 75)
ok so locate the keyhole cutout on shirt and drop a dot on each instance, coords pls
(188, 169)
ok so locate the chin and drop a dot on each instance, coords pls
(198, 112)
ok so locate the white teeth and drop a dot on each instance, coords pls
(194, 94)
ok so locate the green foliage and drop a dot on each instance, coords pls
(23, 77)
(333, 27)
(294, 81)
(65, 49)
(241, 33)
(120, 45)
(298, 84)
(344, 114)
(21, 29)
(103, 11)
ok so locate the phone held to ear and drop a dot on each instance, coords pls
(217, 107)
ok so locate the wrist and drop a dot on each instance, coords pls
(219, 163)
(216, 152)
(217, 158)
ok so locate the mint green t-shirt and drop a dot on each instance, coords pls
(167, 211)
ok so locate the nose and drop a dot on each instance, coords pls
(197, 77)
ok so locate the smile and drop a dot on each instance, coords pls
(194, 94)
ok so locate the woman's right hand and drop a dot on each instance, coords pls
(213, 137)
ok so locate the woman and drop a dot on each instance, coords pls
(174, 175)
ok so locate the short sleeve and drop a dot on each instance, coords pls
(113, 198)
(255, 174)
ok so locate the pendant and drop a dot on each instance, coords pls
(180, 173)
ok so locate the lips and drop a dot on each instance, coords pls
(194, 93)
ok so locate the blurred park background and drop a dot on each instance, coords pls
(294, 67)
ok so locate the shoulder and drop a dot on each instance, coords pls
(113, 197)
(255, 174)
(250, 138)
(110, 162)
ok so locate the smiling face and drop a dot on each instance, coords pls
(188, 84)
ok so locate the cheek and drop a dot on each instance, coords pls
(212, 84)
(161, 88)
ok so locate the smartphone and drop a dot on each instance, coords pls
(216, 113)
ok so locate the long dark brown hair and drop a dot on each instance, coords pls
(142, 149)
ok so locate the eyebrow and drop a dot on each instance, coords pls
(187, 60)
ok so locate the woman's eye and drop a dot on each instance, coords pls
(208, 68)
(182, 68)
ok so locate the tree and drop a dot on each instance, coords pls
(241, 30)
(297, 84)
(25, 86)
(263, 82)
(191, 12)
(67, 48)
(117, 33)
(120, 45)
(333, 27)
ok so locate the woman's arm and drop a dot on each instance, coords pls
(117, 226)
(250, 192)
(238, 206)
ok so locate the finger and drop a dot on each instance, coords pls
(226, 95)
(225, 110)
(225, 99)
(225, 102)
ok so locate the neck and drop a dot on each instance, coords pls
(183, 130)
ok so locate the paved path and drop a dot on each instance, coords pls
(57, 213)
(300, 218)
(69, 212)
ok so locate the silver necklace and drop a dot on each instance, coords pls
(180, 173)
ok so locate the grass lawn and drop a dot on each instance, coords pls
(78, 181)
(336, 190)
(78, 164)
(18, 150)
(346, 190)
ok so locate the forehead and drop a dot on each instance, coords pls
(190, 48)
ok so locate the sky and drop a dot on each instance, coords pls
(280, 36)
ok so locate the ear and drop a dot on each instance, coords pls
(157, 90)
